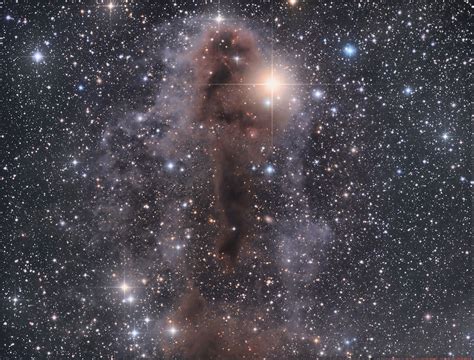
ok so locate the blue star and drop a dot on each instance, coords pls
(37, 56)
(349, 50)
(269, 170)
(317, 94)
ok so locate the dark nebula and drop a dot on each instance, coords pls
(222, 180)
(239, 128)
(208, 334)
(239, 133)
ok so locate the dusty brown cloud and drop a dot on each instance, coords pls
(227, 103)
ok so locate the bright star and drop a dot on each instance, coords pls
(272, 84)
(318, 94)
(37, 56)
(269, 169)
(124, 287)
(349, 50)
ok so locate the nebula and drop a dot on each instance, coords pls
(208, 334)
(228, 103)
(223, 179)
(226, 67)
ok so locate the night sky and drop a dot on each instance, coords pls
(235, 180)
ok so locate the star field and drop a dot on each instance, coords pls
(236, 180)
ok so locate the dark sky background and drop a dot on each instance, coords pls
(354, 229)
